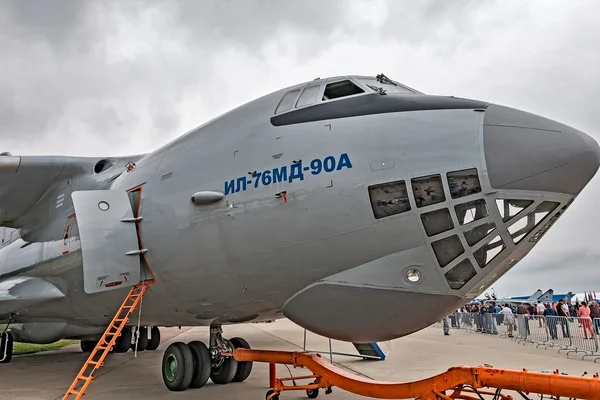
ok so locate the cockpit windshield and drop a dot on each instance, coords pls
(328, 90)
(383, 82)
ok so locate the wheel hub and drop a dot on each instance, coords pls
(170, 368)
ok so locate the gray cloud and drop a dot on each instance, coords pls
(96, 78)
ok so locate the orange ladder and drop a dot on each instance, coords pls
(107, 342)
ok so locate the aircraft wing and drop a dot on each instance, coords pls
(18, 293)
(23, 181)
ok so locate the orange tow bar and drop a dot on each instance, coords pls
(452, 384)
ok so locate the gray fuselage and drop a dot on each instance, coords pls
(332, 240)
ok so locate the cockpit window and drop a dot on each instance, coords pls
(428, 190)
(341, 89)
(463, 183)
(308, 96)
(387, 86)
(389, 199)
(287, 101)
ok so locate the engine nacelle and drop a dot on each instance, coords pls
(50, 332)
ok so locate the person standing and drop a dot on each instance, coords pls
(595, 315)
(586, 321)
(446, 325)
(540, 311)
(551, 317)
(522, 323)
(563, 314)
(508, 319)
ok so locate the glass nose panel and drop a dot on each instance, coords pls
(509, 208)
(428, 190)
(489, 251)
(462, 273)
(524, 225)
(479, 232)
(463, 183)
(447, 249)
(437, 221)
(471, 211)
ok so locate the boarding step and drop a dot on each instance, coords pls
(370, 350)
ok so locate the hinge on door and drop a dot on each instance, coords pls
(132, 219)
(136, 252)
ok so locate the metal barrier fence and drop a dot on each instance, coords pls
(570, 334)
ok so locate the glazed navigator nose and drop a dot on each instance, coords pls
(528, 152)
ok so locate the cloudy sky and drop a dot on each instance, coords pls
(123, 77)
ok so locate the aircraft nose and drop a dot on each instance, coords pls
(529, 152)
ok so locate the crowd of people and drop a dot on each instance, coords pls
(488, 315)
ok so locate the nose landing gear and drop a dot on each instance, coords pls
(191, 365)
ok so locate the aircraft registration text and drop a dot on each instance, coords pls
(287, 173)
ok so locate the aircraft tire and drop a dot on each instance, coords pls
(225, 372)
(177, 367)
(123, 342)
(202, 364)
(87, 346)
(6, 347)
(244, 368)
(154, 341)
(142, 342)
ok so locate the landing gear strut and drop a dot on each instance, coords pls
(223, 368)
(191, 365)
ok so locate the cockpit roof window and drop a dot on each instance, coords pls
(341, 89)
(287, 101)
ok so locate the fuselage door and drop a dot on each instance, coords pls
(109, 241)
